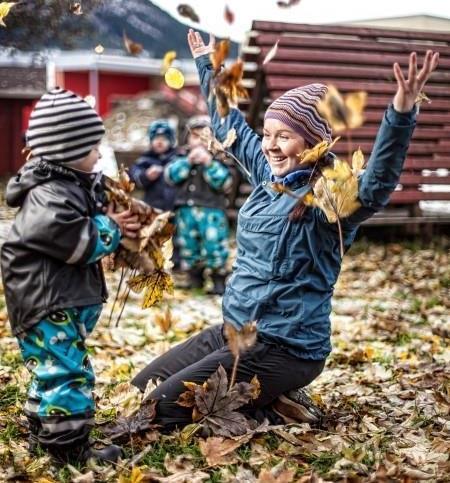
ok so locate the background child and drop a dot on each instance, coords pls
(147, 172)
(54, 284)
(201, 222)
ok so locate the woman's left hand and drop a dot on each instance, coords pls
(409, 89)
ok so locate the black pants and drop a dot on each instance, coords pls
(197, 358)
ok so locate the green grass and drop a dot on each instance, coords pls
(155, 459)
(12, 359)
(215, 477)
(403, 338)
(322, 462)
(10, 395)
(432, 302)
(244, 452)
(272, 441)
(445, 282)
(11, 432)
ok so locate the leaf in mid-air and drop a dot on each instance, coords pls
(343, 112)
(187, 11)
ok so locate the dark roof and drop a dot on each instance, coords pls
(22, 82)
(357, 58)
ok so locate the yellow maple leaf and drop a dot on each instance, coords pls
(343, 112)
(357, 162)
(5, 7)
(138, 283)
(159, 282)
(315, 153)
(339, 173)
(336, 192)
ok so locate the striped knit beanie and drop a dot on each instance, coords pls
(63, 127)
(297, 109)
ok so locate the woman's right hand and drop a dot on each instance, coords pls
(197, 46)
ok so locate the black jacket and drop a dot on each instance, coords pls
(157, 193)
(44, 259)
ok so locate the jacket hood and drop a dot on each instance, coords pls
(34, 173)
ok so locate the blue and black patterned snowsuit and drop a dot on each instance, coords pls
(200, 217)
(54, 290)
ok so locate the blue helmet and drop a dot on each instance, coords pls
(161, 127)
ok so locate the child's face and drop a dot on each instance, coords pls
(281, 145)
(160, 144)
(87, 164)
(194, 137)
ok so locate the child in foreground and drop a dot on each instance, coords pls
(51, 270)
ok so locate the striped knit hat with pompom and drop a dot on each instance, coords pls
(297, 109)
(63, 127)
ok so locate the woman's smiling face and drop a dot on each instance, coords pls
(281, 145)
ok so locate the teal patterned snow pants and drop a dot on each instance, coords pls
(60, 405)
(202, 236)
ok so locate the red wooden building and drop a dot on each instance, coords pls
(106, 77)
(352, 59)
(20, 85)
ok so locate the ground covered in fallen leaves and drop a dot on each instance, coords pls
(385, 389)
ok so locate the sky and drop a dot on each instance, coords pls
(307, 11)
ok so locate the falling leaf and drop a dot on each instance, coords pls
(221, 51)
(187, 11)
(240, 341)
(357, 162)
(343, 112)
(288, 3)
(99, 49)
(336, 192)
(76, 9)
(174, 78)
(229, 15)
(159, 283)
(169, 57)
(228, 87)
(422, 97)
(227, 82)
(133, 48)
(165, 321)
(5, 7)
(312, 155)
(271, 54)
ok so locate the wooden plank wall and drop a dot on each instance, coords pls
(355, 58)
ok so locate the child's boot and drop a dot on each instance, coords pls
(196, 278)
(218, 280)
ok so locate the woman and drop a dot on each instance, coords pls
(285, 269)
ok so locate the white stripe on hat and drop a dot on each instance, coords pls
(51, 134)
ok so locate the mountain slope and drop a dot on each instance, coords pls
(56, 27)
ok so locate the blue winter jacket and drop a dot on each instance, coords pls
(158, 193)
(285, 272)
